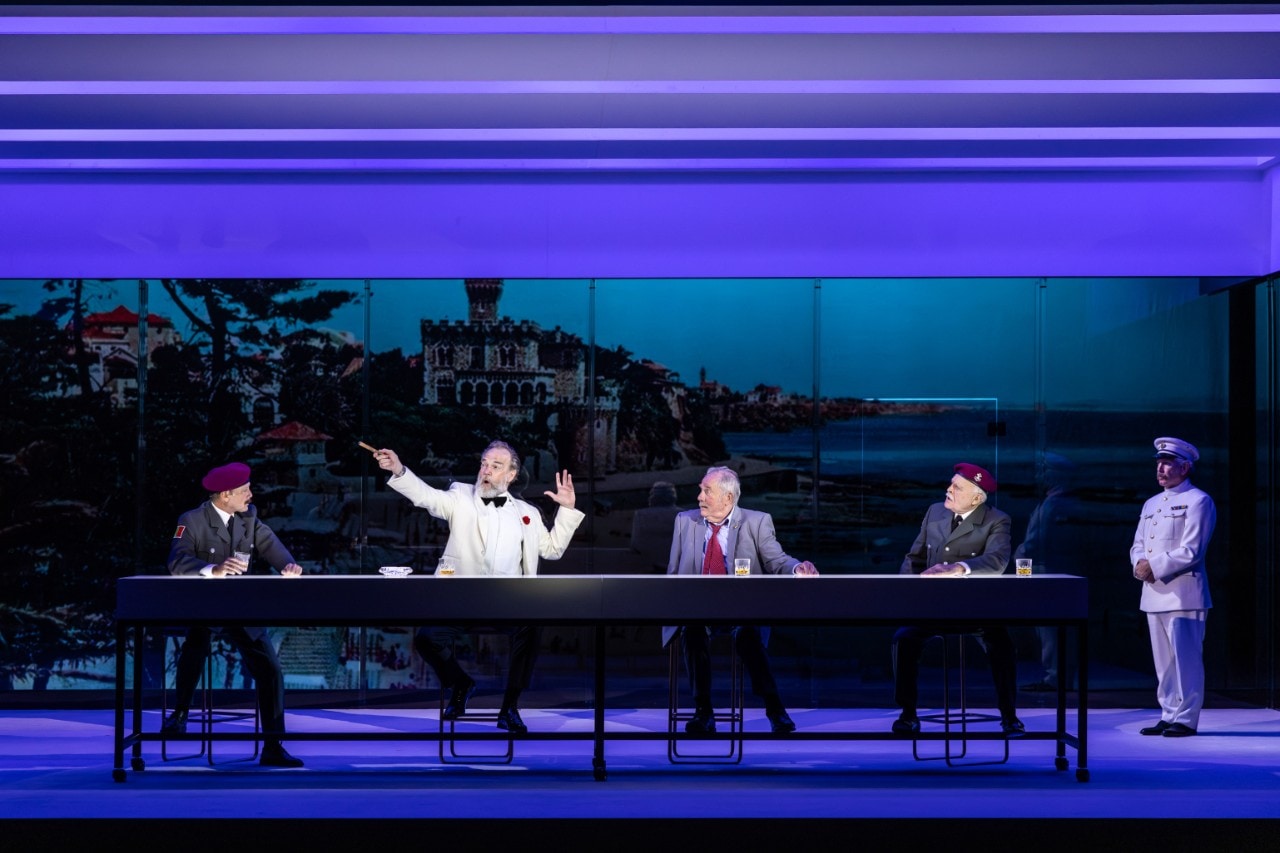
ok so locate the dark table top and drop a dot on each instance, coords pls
(594, 599)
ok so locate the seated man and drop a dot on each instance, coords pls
(705, 542)
(491, 534)
(205, 543)
(958, 537)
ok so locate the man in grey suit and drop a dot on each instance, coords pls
(959, 537)
(491, 534)
(707, 541)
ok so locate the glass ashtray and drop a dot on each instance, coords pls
(395, 571)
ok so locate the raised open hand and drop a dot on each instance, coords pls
(563, 494)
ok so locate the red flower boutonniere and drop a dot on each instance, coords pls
(525, 519)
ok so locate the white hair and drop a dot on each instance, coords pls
(726, 480)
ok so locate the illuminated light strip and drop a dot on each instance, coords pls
(636, 87)
(558, 164)
(629, 134)
(593, 21)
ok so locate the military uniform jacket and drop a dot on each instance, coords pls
(1173, 534)
(982, 541)
(201, 539)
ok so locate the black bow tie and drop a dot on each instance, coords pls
(498, 501)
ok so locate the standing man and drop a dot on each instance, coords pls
(959, 537)
(705, 542)
(491, 534)
(1053, 546)
(1168, 557)
(205, 544)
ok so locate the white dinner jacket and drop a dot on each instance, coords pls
(460, 506)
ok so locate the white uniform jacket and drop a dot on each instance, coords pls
(1173, 535)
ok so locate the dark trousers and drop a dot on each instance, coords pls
(435, 645)
(750, 648)
(259, 657)
(908, 644)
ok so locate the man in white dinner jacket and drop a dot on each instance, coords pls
(491, 534)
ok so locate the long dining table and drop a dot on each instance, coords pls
(601, 602)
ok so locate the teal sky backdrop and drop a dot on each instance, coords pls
(1141, 344)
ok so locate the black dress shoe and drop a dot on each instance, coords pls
(509, 719)
(458, 699)
(907, 724)
(175, 725)
(277, 756)
(781, 721)
(1040, 687)
(1012, 726)
(1157, 729)
(703, 722)
(1179, 730)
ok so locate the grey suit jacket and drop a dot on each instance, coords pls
(751, 535)
(982, 541)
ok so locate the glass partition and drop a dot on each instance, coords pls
(842, 404)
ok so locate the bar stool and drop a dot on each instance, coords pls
(207, 715)
(481, 715)
(961, 717)
(733, 717)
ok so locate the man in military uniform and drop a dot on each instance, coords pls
(1168, 557)
(960, 536)
(205, 544)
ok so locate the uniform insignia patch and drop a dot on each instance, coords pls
(177, 534)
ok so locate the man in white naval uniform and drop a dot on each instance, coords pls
(1168, 557)
(491, 533)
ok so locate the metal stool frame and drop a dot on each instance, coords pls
(734, 716)
(961, 718)
(483, 715)
(207, 715)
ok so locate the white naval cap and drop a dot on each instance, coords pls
(1176, 448)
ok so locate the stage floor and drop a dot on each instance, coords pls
(57, 764)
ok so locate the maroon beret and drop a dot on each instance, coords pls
(977, 475)
(233, 475)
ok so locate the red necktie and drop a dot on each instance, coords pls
(713, 557)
